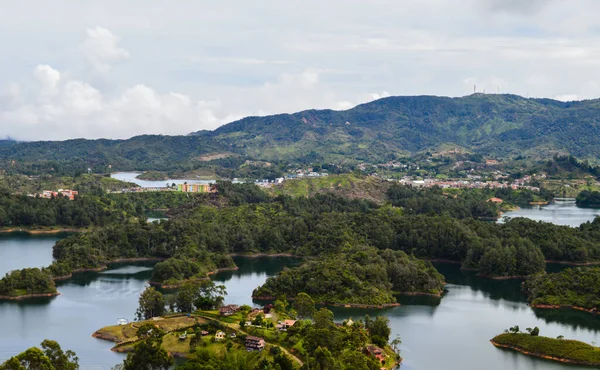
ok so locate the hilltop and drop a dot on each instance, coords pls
(500, 126)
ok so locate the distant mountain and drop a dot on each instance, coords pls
(499, 125)
(492, 125)
(139, 152)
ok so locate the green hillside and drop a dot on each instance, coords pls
(500, 126)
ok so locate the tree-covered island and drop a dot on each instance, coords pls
(361, 276)
(577, 288)
(555, 349)
(204, 231)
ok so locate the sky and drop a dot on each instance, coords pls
(115, 69)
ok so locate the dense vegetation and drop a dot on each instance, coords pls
(60, 211)
(244, 219)
(50, 357)
(578, 287)
(358, 275)
(498, 125)
(571, 350)
(588, 199)
(26, 281)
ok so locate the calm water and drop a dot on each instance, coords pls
(131, 177)
(448, 333)
(18, 251)
(560, 213)
(90, 301)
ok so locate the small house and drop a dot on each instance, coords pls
(495, 200)
(229, 310)
(254, 344)
(267, 309)
(219, 336)
(203, 333)
(376, 352)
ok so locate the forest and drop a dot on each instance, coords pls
(588, 199)
(572, 287)
(358, 275)
(26, 281)
(242, 218)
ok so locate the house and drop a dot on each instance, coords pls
(203, 333)
(254, 344)
(495, 200)
(229, 310)
(285, 325)
(376, 352)
(267, 309)
(219, 336)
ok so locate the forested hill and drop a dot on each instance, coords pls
(490, 124)
(493, 125)
(137, 153)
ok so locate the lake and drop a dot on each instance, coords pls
(451, 332)
(560, 213)
(131, 177)
(92, 300)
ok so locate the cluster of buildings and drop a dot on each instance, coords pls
(184, 188)
(466, 184)
(48, 194)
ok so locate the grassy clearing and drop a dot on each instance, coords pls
(570, 350)
(349, 185)
(129, 332)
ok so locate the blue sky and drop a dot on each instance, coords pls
(120, 68)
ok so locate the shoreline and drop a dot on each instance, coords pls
(257, 255)
(543, 306)
(567, 263)
(541, 355)
(421, 294)
(25, 230)
(178, 285)
(28, 296)
(106, 267)
(510, 277)
(345, 305)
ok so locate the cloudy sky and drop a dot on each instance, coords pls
(114, 68)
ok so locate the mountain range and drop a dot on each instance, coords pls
(493, 125)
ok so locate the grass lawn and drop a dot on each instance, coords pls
(168, 324)
(562, 348)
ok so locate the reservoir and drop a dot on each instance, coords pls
(448, 333)
(560, 213)
(131, 177)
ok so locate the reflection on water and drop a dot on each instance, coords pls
(451, 332)
(252, 273)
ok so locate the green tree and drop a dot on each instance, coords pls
(186, 295)
(323, 319)
(50, 357)
(32, 359)
(535, 332)
(380, 331)
(304, 305)
(151, 304)
(148, 355)
(59, 359)
(322, 360)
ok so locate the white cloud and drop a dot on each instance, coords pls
(568, 97)
(196, 66)
(101, 49)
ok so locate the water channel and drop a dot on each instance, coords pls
(448, 333)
